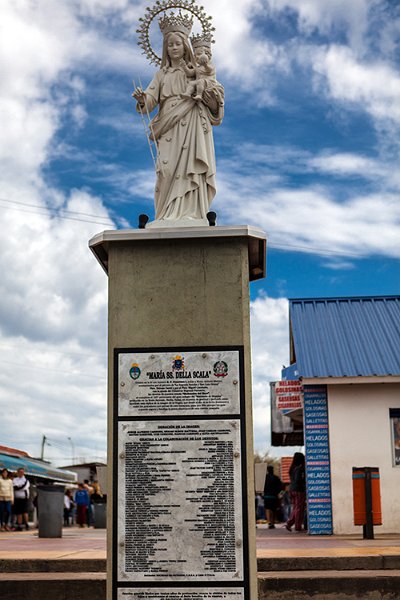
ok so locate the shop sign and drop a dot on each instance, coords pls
(289, 395)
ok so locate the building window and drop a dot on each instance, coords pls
(395, 427)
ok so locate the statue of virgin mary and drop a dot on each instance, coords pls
(182, 130)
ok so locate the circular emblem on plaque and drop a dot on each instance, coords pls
(220, 368)
(134, 371)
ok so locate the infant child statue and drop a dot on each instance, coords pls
(203, 71)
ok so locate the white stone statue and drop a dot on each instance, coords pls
(203, 71)
(190, 102)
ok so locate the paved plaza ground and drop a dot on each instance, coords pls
(290, 565)
(90, 543)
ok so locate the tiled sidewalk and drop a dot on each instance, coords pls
(91, 544)
(281, 543)
(75, 544)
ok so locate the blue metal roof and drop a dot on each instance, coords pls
(36, 468)
(346, 337)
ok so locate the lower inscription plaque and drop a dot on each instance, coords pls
(180, 516)
(179, 501)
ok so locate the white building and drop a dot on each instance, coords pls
(346, 351)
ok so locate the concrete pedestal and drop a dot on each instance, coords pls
(183, 288)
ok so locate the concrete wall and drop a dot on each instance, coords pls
(360, 436)
(82, 473)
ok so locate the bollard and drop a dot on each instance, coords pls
(100, 515)
(367, 499)
(50, 510)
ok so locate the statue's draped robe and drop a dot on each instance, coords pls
(182, 129)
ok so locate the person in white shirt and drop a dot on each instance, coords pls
(21, 497)
(6, 500)
(68, 507)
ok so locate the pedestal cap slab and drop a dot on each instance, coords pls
(256, 241)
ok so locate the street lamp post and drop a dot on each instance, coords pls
(72, 449)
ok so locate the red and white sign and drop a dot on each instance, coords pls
(289, 395)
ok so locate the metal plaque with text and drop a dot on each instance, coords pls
(180, 520)
(178, 382)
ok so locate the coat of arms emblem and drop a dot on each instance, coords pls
(220, 368)
(134, 371)
(178, 363)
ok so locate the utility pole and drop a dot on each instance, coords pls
(43, 444)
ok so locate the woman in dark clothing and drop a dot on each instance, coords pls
(297, 492)
(272, 488)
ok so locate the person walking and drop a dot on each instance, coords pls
(21, 499)
(82, 502)
(6, 500)
(297, 492)
(272, 489)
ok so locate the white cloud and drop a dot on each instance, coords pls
(346, 163)
(383, 170)
(309, 218)
(31, 58)
(27, 128)
(40, 45)
(99, 9)
(53, 328)
(370, 86)
(279, 162)
(330, 16)
(358, 71)
(57, 390)
(50, 286)
(79, 115)
(357, 196)
(52, 293)
(32, 53)
(389, 34)
(270, 351)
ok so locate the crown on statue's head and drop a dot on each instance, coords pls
(179, 22)
(201, 40)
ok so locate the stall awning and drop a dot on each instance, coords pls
(36, 468)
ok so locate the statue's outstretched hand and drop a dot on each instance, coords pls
(139, 96)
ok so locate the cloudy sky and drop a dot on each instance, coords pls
(309, 151)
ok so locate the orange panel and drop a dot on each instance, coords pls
(360, 517)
